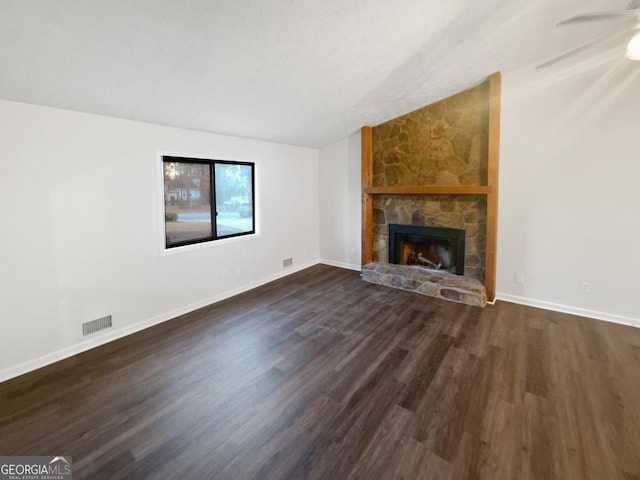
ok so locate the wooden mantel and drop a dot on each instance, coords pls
(490, 190)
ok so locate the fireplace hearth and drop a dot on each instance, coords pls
(431, 248)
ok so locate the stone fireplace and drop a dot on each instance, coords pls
(459, 212)
(434, 170)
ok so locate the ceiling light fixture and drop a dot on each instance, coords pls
(633, 48)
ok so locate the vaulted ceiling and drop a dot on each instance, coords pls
(302, 72)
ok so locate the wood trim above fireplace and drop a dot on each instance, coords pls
(490, 190)
(431, 190)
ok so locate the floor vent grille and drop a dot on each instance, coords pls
(94, 326)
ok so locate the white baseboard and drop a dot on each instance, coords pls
(101, 339)
(348, 266)
(582, 312)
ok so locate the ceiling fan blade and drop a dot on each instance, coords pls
(602, 39)
(587, 17)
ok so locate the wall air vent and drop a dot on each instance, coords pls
(97, 325)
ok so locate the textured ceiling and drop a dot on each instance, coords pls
(300, 72)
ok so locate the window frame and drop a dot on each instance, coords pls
(214, 237)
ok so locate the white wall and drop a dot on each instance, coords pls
(569, 201)
(81, 236)
(340, 212)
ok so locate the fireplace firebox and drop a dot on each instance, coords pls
(427, 247)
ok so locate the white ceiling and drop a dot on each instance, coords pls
(302, 72)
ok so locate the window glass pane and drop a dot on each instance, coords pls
(234, 198)
(187, 203)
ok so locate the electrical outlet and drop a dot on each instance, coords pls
(519, 277)
(585, 287)
(225, 274)
(287, 262)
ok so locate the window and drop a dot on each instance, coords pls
(207, 200)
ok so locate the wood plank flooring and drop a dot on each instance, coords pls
(324, 376)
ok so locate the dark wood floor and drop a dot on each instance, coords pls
(323, 376)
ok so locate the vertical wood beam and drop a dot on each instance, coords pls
(367, 199)
(495, 88)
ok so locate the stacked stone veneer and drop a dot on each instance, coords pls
(443, 144)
